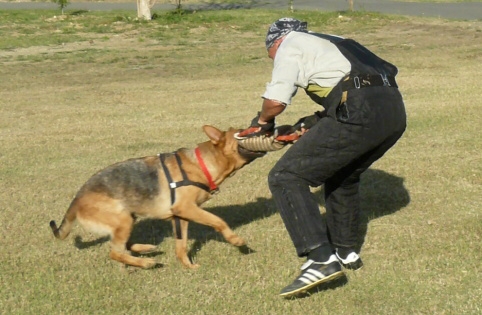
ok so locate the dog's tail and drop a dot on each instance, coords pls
(66, 226)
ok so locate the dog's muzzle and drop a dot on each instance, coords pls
(250, 155)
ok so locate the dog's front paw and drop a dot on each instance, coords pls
(187, 263)
(193, 266)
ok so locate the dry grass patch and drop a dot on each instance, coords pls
(115, 89)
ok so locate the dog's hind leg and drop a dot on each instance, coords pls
(140, 248)
(105, 215)
(181, 243)
(119, 249)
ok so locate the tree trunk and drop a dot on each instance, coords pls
(351, 4)
(144, 9)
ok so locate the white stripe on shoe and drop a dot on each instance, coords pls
(305, 281)
(316, 274)
(311, 276)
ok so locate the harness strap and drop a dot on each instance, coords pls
(177, 222)
(162, 157)
(184, 182)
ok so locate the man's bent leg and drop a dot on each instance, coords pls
(299, 210)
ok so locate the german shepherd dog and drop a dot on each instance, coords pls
(165, 186)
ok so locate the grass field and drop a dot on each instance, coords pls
(79, 92)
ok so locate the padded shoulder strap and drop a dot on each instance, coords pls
(363, 61)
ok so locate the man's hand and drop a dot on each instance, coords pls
(286, 134)
(256, 129)
(290, 134)
(305, 123)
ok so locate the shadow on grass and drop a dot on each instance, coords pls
(80, 244)
(381, 194)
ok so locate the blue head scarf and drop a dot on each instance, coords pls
(282, 27)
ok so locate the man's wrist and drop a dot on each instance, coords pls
(263, 122)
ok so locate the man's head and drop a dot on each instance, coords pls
(281, 28)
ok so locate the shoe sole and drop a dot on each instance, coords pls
(352, 268)
(312, 285)
(357, 265)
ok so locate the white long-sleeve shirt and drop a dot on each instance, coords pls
(304, 59)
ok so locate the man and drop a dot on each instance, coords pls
(364, 116)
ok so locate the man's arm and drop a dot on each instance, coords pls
(269, 110)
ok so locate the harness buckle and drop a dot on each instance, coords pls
(215, 191)
(173, 185)
(356, 81)
(385, 80)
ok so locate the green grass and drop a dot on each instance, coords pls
(88, 90)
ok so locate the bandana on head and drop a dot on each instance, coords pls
(282, 27)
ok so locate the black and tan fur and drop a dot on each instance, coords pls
(111, 199)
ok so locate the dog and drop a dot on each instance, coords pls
(166, 186)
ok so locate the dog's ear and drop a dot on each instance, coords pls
(213, 133)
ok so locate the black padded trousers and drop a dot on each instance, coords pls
(335, 152)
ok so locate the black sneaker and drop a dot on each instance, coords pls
(314, 273)
(352, 261)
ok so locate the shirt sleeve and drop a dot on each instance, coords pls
(283, 80)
